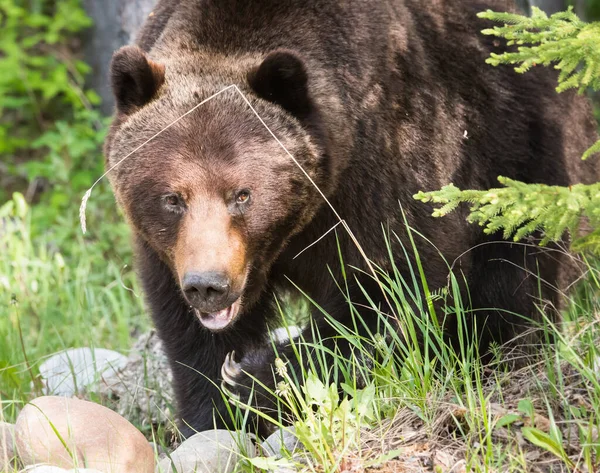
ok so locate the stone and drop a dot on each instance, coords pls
(7, 446)
(212, 451)
(141, 389)
(282, 439)
(70, 432)
(157, 449)
(68, 372)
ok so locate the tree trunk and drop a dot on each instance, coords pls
(549, 6)
(116, 23)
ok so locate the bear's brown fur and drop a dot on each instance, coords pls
(375, 101)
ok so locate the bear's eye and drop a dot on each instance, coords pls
(242, 197)
(173, 202)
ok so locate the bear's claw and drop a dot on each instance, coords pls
(230, 370)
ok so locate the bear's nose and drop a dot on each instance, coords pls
(207, 292)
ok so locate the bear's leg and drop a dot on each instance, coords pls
(510, 284)
(195, 354)
(252, 378)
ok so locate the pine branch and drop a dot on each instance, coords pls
(562, 40)
(520, 209)
(595, 148)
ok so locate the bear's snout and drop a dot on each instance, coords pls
(211, 296)
(207, 291)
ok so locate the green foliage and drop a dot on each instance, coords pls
(551, 442)
(562, 40)
(39, 80)
(325, 423)
(570, 44)
(50, 132)
(519, 209)
(332, 426)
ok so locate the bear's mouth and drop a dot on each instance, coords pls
(219, 320)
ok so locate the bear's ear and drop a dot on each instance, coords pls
(135, 79)
(282, 79)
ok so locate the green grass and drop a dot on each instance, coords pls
(545, 415)
(52, 298)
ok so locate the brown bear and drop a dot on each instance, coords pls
(375, 101)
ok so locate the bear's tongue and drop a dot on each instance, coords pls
(220, 319)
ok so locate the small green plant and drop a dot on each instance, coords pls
(326, 423)
(327, 426)
(551, 442)
(573, 47)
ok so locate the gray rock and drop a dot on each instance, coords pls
(84, 470)
(7, 446)
(141, 390)
(68, 372)
(213, 451)
(277, 442)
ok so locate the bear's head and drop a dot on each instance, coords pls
(210, 190)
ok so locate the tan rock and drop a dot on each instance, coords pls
(69, 433)
(7, 446)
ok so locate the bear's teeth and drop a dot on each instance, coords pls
(222, 314)
(220, 319)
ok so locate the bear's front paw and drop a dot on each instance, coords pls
(249, 380)
(231, 373)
